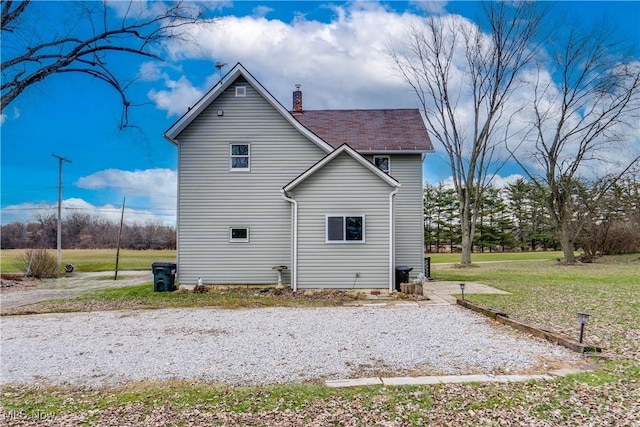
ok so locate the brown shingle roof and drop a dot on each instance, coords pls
(369, 130)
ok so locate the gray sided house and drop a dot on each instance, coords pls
(336, 195)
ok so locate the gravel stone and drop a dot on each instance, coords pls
(263, 346)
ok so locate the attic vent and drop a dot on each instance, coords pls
(241, 91)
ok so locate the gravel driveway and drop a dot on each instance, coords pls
(260, 346)
(69, 287)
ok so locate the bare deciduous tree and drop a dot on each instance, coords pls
(464, 102)
(94, 32)
(584, 105)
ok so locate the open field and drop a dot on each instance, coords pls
(496, 256)
(542, 292)
(104, 259)
(95, 259)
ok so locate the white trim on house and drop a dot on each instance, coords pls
(329, 157)
(392, 241)
(237, 156)
(294, 270)
(388, 171)
(241, 91)
(172, 133)
(344, 239)
(239, 239)
(385, 152)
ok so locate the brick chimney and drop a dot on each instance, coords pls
(297, 99)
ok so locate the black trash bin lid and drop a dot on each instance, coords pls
(164, 264)
(404, 268)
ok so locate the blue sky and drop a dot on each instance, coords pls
(334, 49)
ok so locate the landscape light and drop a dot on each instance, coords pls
(583, 319)
(462, 289)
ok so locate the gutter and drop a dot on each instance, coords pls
(294, 270)
(391, 240)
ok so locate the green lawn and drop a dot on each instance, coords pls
(143, 296)
(95, 259)
(495, 256)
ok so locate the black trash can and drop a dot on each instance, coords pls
(402, 275)
(164, 276)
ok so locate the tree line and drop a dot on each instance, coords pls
(84, 231)
(517, 217)
(524, 84)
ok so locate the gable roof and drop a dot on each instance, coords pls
(238, 70)
(329, 157)
(370, 131)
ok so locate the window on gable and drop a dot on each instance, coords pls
(239, 235)
(241, 91)
(383, 163)
(345, 228)
(240, 155)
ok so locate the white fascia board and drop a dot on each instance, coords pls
(384, 152)
(202, 103)
(172, 133)
(328, 158)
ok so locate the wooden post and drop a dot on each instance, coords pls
(115, 277)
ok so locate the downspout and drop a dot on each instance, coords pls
(294, 270)
(424, 260)
(391, 240)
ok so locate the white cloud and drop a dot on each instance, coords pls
(340, 64)
(159, 186)
(431, 6)
(178, 98)
(146, 9)
(261, 11)
(15, 115)
(30, 212)
(155, 189)
(152, 71)
(497, 181)
(150, 196)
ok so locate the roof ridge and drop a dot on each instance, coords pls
(363, 109)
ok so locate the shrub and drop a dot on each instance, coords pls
(43, 263)
(615, 238)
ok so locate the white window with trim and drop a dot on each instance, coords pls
(241, 91)
(240, 157)
(239, 234)
(383, 163)
(345, 228)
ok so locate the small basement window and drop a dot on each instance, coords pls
(239, 235)
(345, 228)
(241, 91)
(240, 155)
(383, 163)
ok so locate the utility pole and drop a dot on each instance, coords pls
(59, 240)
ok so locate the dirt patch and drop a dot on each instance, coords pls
(10, 282)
